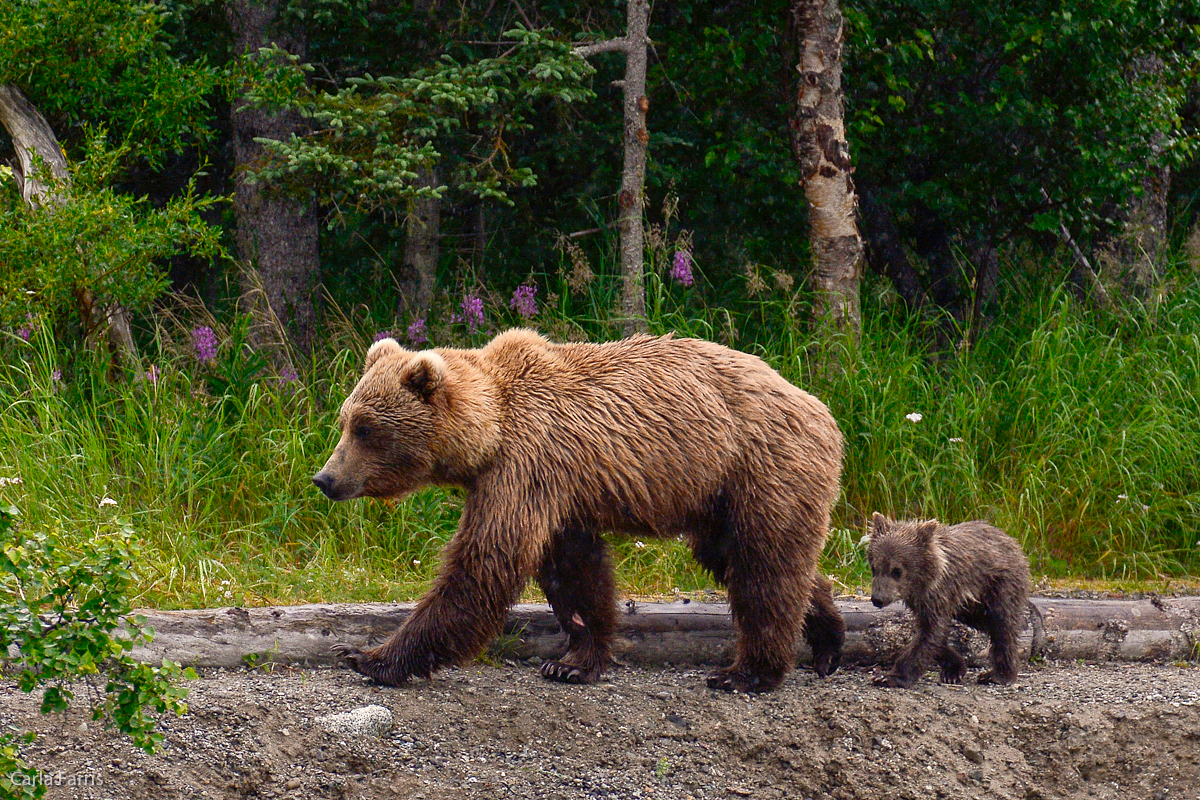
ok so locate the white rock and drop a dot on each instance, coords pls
(368, 720)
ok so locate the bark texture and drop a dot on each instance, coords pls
(35, 142)
(819, 141)
(630, 198)
(418, 275)
(276, 233)
(681, 632)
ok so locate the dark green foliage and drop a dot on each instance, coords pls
(962, 114)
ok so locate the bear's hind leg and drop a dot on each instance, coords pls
(1003, 630)
(577, 579)
(769, 594)
(824, 628)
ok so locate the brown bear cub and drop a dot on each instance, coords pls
(557, 443)
(972, 572)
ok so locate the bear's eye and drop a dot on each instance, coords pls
(896, 573)
(361, 432)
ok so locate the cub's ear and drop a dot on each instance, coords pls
(384, 347)
(927, 529)
(424, 374)
(879, 523)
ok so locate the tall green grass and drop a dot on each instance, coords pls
(1077, 434)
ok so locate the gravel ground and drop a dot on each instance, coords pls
(1065, 730)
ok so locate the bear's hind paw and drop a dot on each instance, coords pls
(736, 680)
(993, 677)
(893, 682)
(568, 673)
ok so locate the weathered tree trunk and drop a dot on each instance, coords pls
(1133, 256)
(276, 233)
(35, 142)
(680, 632)
(630, 200)
(418, 275)
(819, 141)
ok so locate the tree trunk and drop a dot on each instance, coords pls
(630, 199)
(1133, 257)
(682, 632)
(35, 142)
(276, 233)
(418, 275)
(819, 141)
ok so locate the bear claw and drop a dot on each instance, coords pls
(735, 680)
(566, 673)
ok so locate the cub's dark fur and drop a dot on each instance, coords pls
(972, 572)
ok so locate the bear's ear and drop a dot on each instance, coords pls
(424, 374)
(384, 347)
(879, 523)
(926, 530)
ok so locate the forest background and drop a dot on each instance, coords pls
(246, 195)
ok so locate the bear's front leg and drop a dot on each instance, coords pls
(484, 568)
(929, 642)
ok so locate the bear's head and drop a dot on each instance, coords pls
(413, 419)
(905, 557)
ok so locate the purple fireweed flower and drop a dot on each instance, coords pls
(681, 268)
(288, 379)
(524, 300)
(152, 374)
(417, 332)
(205, 342)
(25, 332)
(379, 337)
(472, 308)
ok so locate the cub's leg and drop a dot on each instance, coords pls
(577, 578)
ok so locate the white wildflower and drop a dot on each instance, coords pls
(956, 439)
(913, 417)
(1121, 497)
(416, 562)
(107, 501)
(639, 545)
(13, 481)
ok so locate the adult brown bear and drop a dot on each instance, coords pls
(555, 443)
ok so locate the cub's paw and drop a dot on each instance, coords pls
(953, 674)
(568, 673)
(741, 680)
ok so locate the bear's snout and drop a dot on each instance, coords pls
(878, 602)
(324, 482)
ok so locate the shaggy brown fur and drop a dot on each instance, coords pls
(557, 443)
(972, 572)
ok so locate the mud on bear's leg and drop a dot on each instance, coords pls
(928, 644)
(824, 628)
(577, 578)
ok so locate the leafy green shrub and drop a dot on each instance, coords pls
(66, 608)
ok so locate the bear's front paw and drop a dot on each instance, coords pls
(740, 680)
(364, 663)
(568, 673)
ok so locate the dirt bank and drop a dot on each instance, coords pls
(1066, 730)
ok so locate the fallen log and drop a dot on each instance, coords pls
(683, 632)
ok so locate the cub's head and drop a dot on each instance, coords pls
(905, 556)
(392, 424)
